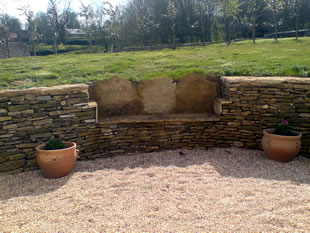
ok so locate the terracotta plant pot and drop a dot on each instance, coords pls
(57, 163)
(281, 148)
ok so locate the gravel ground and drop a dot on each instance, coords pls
(170, 191)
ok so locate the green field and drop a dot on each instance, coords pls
(266, 58)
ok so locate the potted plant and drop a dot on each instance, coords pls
(282, 143)
(56, 158)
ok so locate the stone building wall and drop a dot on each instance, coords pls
(248, 105)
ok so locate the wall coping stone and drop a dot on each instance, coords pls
(160, 118)
(265, 80)
(55, 90)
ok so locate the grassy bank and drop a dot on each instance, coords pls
(287, 58)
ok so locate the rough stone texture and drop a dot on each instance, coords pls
(158, 96)
(31, 117)
(262, 102)
(248, 106)
(196, 94)
(116, 97)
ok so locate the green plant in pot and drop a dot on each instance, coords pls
(281, 143)
(56, 158)
(54, 144)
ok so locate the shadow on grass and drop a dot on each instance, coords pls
(235, 163)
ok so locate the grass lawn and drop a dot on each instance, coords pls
(266, 58)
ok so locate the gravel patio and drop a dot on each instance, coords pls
(170, 191)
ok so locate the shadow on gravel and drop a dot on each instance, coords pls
(230, 162)
(234, 163)
(31, 183)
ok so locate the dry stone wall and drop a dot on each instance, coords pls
(252, 104)
(247, 106)
(31, 117)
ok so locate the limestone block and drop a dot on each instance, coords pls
(6, 118)
(11, 165)
(44, 98)
(17, 98)
(17, 108)
(158, 96)
(30, 96)
(12, 126)
(14, 113)
(305, 115)
(29, 111)
(218, 107)
(116, 97)
(68, 115)
(196, 94)
(43, 122)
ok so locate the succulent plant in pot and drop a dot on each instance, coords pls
(56, 158)
(281, 143)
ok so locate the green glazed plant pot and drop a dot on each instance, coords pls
(57, 163)
(281, 148)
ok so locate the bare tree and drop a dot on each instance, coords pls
(201, 10)
(275, 6)
(31, 25)
(4, 31)
(253, 12)
(172, 16)
(230, 10)
(58, 21)
(295, 6)
(113, 23)
(87, 12)
(145, 20)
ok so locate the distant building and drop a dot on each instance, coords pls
(19, 36)
(12, 36)
(76, 33)
(17, 49)
(23, 36)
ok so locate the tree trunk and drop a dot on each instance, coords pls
(228, 32)
(174, 41)
(254, 28)
(254, 34)
(55, 45)
(33, 48)
(7, 47)
(174, 38)
(90, 41)
(202, 30)
(297, 26)
(276, 28)
(112, 46)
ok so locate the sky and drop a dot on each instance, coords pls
(10, 6)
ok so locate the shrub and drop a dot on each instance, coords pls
(284, 129)
(301, 70)
(54, 144)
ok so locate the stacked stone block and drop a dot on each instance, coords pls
(257, 103)
(247, 106)
(31, 117)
